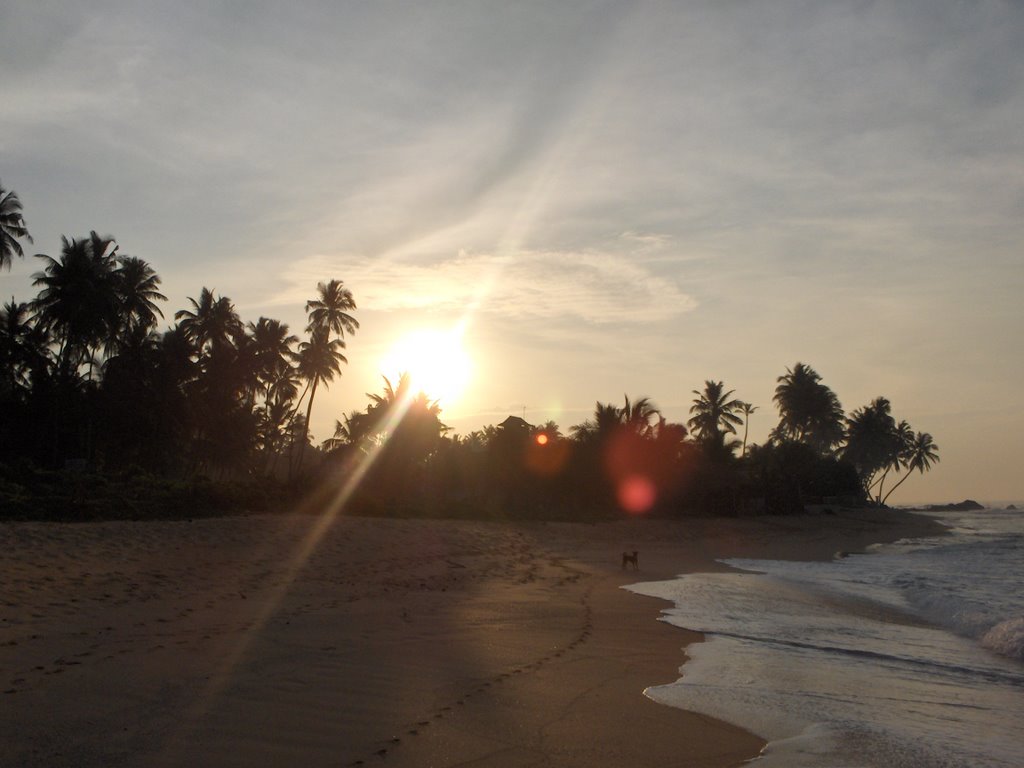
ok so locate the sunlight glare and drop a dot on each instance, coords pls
(435, 360)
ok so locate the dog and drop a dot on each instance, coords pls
(634, 559)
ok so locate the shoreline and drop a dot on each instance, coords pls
(882, 528)
(403, 642)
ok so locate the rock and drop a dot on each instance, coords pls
(967, 505)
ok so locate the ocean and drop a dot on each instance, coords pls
(911, 655)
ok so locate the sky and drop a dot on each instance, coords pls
(608, 198)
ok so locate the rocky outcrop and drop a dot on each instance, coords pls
(967, 505)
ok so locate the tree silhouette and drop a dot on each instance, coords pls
(809, 412)
(79, 302)
(211, 323)
(901, 442)
(746, 409)
(136, 283)
(391, 395)
(639, 417)
(608, 418)
(355, 431)
(330, 309)
(12, 228)
(22, 348)
(922, 453)
(318, 359)
(397, 410)
(272, 346)
(408, 431)
(714, 416)
(872, 442)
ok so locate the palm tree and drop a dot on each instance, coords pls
(391, 395)
(318, 359)
(747, 410)
(714, 414)
(137, 283)
(639, 417)
(549, 428)
(607, 419)
(670, 437)
(922, 453)
(330, 310)
(281, 386)
(176, 365)
(211, 323)
(355, 430)
(272, 345)
(872, 442)
(409, 425)
(22, 347)
(272, 429)
(12, 228)
(901, 445)
(809, 412)
(281, 381)
(245, 367)
(79, 302)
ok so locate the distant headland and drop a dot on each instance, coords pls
(967, 505)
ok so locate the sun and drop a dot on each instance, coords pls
(435, 360)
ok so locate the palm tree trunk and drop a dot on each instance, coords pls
(881, 485)
(305, 428)
(298, 403)
(902, 479)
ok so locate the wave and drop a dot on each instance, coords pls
(966, 617)
(1015, 634)
(1006, 638)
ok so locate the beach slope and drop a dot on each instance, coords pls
(293, 640)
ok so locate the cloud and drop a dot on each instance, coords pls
(590, 286)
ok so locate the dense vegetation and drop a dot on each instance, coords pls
(104, 415)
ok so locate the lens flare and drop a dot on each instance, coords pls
(636, 494)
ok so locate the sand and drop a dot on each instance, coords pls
(298, 641)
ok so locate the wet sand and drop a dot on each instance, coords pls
(293, 640)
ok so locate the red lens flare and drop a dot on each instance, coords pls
(636, 494)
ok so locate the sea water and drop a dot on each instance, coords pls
(911, 655)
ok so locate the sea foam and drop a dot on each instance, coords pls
(887, 659)
(1006, 638)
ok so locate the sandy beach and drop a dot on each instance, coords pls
(296, 640)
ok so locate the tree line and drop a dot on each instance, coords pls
(629, 457)
(88, 379)
(88, 384)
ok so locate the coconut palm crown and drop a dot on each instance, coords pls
(921, 454)
(330, 310)
(809, 412)
(12, 228)
(714, 414)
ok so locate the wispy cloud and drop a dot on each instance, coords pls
(590, 286)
